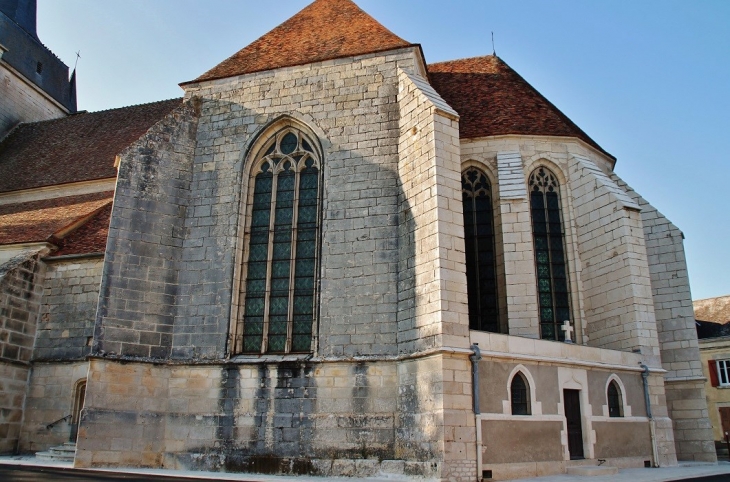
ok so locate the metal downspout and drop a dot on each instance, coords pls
(475, 357)
(652, 423)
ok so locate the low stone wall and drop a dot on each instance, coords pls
(21, 284)
(13, 383)
(324, 418)
(51, 394)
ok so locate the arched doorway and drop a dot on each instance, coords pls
(79, 396)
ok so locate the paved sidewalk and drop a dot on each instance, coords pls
(686, 470)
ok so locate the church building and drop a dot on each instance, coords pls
(333, 258)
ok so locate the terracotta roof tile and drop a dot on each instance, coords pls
(80, 147)
(713, 309)
(325, 30)
(89, 238)
(492, 99)
(45, 220)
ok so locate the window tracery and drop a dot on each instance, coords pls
(551, 265)
(480, 253)
(282, 245)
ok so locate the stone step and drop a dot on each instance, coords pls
(63, 449)
(60, 453)
(592, 470)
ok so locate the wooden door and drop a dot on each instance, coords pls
(725, 421)
(575, 430)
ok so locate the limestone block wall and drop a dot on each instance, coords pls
(619, 305)
(511, 159)
(21, 285)
(303, 417)
(20, 101)
(139, 278)
(13, 386)
(350, 105)
(519, 256)
(434, 264)
(678, 342)
(50, 397)
(68, 309)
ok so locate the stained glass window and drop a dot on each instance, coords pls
(551, 266)
(614, 400)
(279, 289)
(520, 395)
(481, 280)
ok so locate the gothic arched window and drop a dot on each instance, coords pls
(614, 400)
(282, 245)
(520, 395)
(551, 266)
(481, 280)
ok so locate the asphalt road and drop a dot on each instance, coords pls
(16, 473)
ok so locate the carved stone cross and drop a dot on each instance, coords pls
(568, 331)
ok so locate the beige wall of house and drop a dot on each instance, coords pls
(711, 350)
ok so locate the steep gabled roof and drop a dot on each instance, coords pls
(81, 147)
(492, 99)
(48, 220)
(325, 30)
(89, 238)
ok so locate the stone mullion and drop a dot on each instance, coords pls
(292, 261)
(269, 262)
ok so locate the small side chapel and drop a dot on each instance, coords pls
(333, 258)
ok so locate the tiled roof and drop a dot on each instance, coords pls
(80, 147)
(39, 221)
(713, 309)
(325, 30)
(89, 238)
(492, 99)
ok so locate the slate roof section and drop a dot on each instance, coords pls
(45, 220)
(492, 99)
(80, 147)
(324, 30)
(90, 237)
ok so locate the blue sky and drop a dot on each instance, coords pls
(648, 80)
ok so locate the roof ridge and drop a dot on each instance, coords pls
(323, 30)
(474, 57)
(132, 105)
(83, 113)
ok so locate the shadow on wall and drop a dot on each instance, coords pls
(292, 425)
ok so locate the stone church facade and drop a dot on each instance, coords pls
(332, 258)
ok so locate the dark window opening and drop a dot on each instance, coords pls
(39, 67)
(614, 400)
(481, 279)
(551, 266)
(520, 394)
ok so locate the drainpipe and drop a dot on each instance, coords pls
(652, 423)
(475, 357)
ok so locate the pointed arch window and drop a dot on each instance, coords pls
(615, 405)
(520, 395)
(481, 279)
(550, 263)
(282, 243)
